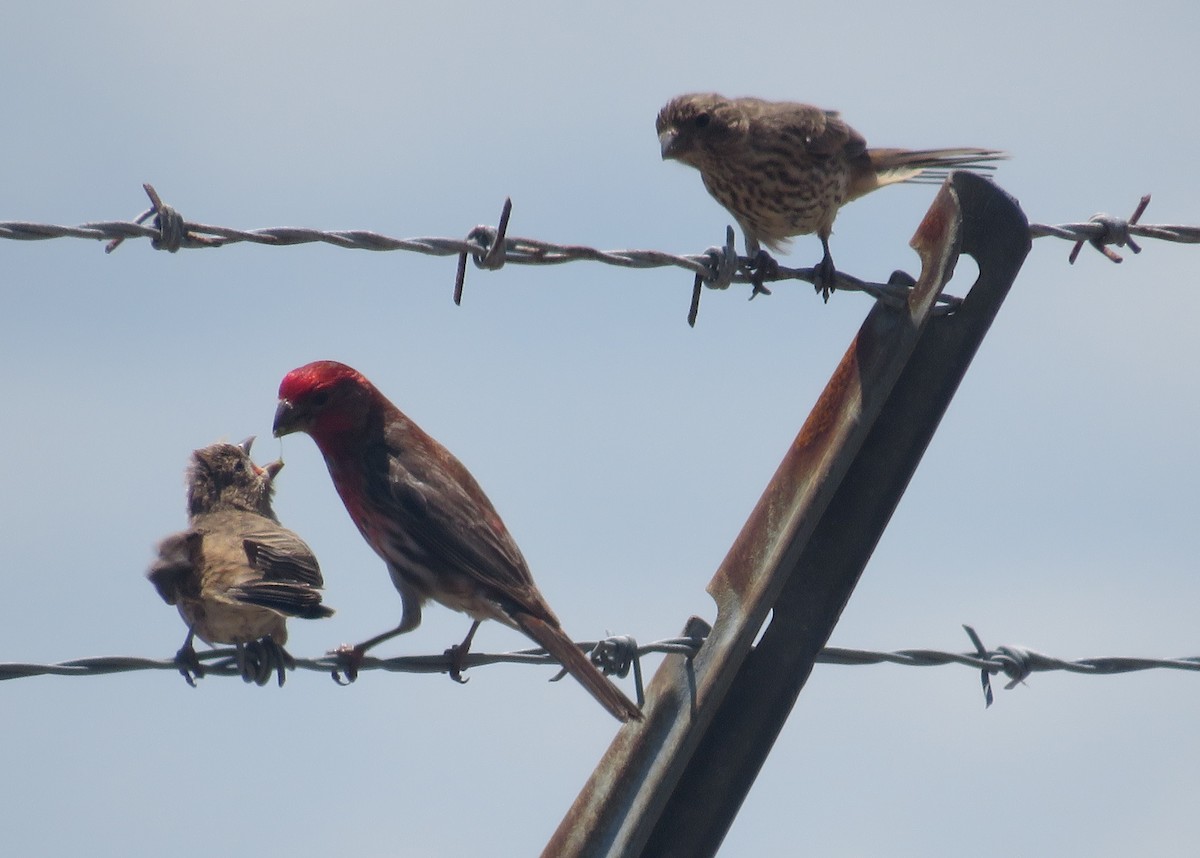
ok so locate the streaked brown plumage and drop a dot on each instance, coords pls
(236, 573)
(784, 169)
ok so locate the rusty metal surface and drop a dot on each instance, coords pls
(673, 784)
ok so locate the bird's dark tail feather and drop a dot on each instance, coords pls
(555, 641)
(926, 165)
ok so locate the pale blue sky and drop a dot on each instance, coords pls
(1055, 508)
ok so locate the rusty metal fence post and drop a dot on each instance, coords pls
(672, 785)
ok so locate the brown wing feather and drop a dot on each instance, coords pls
(460, 529)
(817, 132)
(281, 555)
(294, 600)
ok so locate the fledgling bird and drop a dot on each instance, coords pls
(784, 169)
(236, 574)
(426, 517)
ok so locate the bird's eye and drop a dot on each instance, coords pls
(703, 120)
(320, 399)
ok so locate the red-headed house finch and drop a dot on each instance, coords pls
(426, 517)
(236, 574)
(784, 169)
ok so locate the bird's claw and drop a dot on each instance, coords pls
(189, 664)
(349, 660)
(457, 655)
(762, 267)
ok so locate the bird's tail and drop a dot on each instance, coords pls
(554, 640)
(926, 166)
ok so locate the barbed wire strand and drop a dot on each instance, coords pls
(491, 247)
(617, 655)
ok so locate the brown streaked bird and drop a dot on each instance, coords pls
(427, 518)
(784, 169)
(236, 574)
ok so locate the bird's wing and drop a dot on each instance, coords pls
(281, 555)
(175, 573)
(459, 529)
(821, 132)
(286, 597)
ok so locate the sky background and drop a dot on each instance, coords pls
(1056, 507)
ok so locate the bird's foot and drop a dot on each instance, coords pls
(189, 664)
(458, 656)
(262, 658)
(349, 660)
(825, 277)
(762, 267)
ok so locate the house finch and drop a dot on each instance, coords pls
(784, 169)
(426, 517)
(236, 574)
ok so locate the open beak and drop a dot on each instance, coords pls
(247, 444)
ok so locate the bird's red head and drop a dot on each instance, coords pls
(325, 399)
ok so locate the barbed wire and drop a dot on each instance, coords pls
(618, 655)
(491, 248)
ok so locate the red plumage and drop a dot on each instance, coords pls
(424, 514)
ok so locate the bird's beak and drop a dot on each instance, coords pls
(273, 469)
(247, 444)
(668, 141)
(285, 419)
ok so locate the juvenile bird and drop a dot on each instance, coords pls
(784, 169)
(236, 573)
(426, 517)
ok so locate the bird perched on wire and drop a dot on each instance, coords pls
(784, 169)
(427, 518)
(236, 574)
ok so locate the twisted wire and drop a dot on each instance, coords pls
(619, 654)
(491, 247)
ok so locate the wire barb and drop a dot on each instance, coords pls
(492, 253)
(1014, 661)
(615, 655)
(170, 230)
(1114, 231)
(723, 263)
